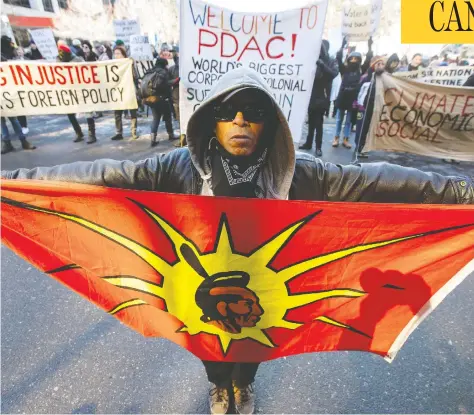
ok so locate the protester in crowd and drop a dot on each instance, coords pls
(393, 64)
(351, 73)
(34, 53)
(7, 48)
(108, 50)
(66, 55)
(103, 56)
(77, 44)
(120, 53)
(335, 88)
(174, 81)
(10, 52)
(416, 62)
(6, 142)
(240, 128)
(19, 53)
(403, 64)
(326, 71)
(89, 54)
(366, 97)
(156, 93)
(120, 42)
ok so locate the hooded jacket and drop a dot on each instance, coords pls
(326, 70)
(285, 174)
(351, 75)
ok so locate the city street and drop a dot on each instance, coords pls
(61, 354)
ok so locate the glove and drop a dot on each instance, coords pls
(344, 42)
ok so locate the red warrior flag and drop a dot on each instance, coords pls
(245, 279)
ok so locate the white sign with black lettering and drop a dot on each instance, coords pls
(140, 48)
(44, 40)
(126, 28)
(361, 22)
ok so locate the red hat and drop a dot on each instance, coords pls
(64, 48)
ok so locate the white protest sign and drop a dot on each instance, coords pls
(282, 47)
(38, 88)
(126, 28)
(442, 75)
(361, 22)
(140, 48)
(45, 42)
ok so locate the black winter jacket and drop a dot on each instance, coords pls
(312, 179)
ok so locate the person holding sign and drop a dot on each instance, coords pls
(351, 73)
(121, 53)
(240, 145)
(66, 55)
(327, 70)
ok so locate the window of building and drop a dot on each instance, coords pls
(48, 6)
(63, 4)
(22, 3)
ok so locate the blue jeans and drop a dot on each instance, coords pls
(348, 124)
(16, 127)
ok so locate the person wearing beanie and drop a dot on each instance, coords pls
(121, 53)
(65, 54)
(76, 48)
(156, 92)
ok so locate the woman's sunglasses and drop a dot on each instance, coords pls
(228, 112)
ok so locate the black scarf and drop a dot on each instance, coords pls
(235, 176)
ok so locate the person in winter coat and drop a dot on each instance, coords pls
(7, 50)
(89, 54)
(416, 62)
(351, 73)
(66, 55)
(6, 142)
(120, 53)
(327, 69)
(34, 53)
(103, 56)
(160, 105)
(174, 82)
(240, 128)
(77, 45)
(366, 98)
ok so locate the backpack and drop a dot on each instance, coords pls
(154, 86)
